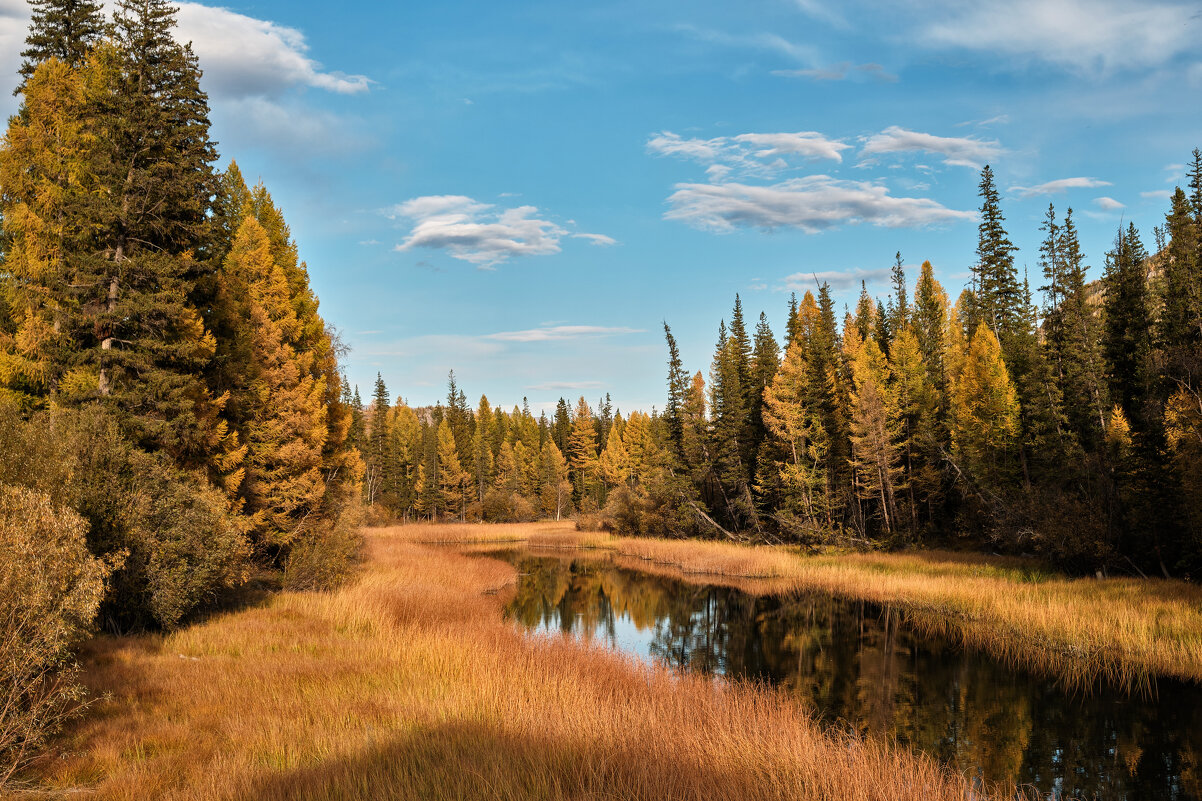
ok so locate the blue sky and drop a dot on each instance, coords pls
(523, 191)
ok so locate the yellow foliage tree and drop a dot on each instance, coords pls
(984, 405)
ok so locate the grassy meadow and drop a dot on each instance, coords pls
(1076, 629)
(408, 684)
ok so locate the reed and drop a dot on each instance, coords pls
(408, 684)
(1078, 630)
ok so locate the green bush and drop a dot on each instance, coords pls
(178, 543)
(50, 590)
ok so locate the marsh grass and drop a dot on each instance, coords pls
(1123, 630)
(409, 684)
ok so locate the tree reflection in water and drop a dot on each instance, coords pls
(862, 666)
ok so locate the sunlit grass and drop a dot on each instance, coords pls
(409, 684)
(1124, 629)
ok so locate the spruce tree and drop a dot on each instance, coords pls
(62, 29)
(678, 384)
(997, 293)
(1127, 337)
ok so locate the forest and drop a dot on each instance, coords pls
(178, 435)
(1063, 421)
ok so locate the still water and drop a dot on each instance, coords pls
(860, 665)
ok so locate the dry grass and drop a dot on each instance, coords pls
(409, 685)
(1126, 630)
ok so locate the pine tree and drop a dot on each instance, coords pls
(728, 414)
(930, 325)
(61, 29)
(450, 473)
(556, 488)
(765, 362)
(482, 457)
(1179, 327)
(984, 407)
(561, 429)
(997, 293)
(379, 439)
(583, 458)
(801, 442)
(678, 384)
(281, 414)
(1127, 337)
(900, 318)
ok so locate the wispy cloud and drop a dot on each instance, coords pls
(956, 151)
(843, 71)
(811, 204)
(558, 333)
(1108, 203)
(1000, 119)
(838, 279)
(759, 154)
(769, 42)
(1057, 187)
(1092, 37)
(479, 233)
(1157, 194)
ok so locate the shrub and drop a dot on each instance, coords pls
(325, 556)
(178, 542)
(50, 589)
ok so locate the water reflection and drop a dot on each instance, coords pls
(860, 665)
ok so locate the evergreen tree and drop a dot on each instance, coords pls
(900, 317)
(583, 457)
(61, 29)
(482, 457)
(1127, 337)
(282, 417)
(379, 439)
(678, 383)
(984, 408)
(998, 301)
(930, 325)
(561, 429)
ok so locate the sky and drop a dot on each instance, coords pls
(524, 192)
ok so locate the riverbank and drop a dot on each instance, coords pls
(409, 684)
(1125, 630)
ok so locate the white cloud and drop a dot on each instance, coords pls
(1157, 194)
(14, 20)
(838, 279)
(479, 233)
(842, 71)
(1108, 203)
(242, 56)
(1087, 36)
(748, 154)
(956, 151)
(557, 333)
(1000, 119)
(596, 239)
(811, 204)
(807, 144)
(1059, 186)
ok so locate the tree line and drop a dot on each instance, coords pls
(1064, 420)
(165, 375)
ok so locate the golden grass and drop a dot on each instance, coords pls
(409, 684)
(1126, 630)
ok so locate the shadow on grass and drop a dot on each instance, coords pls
(473, 761)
